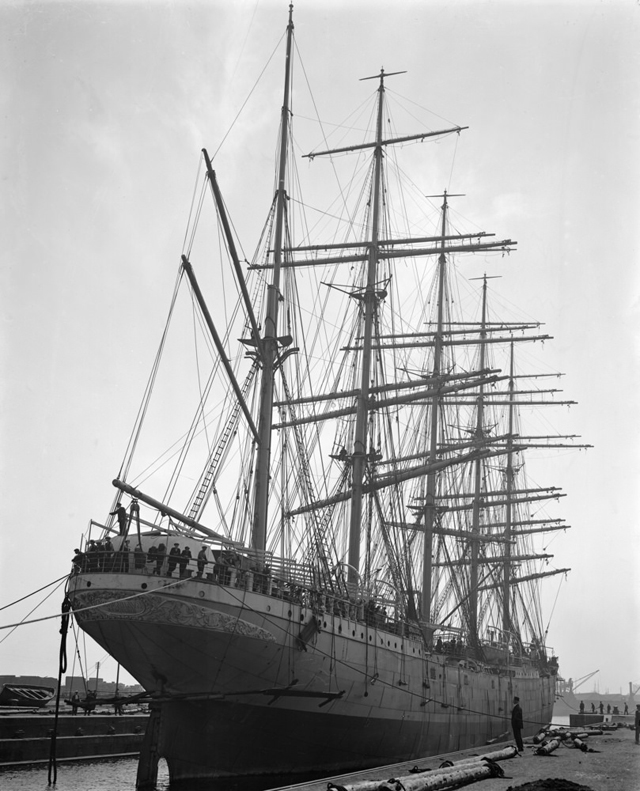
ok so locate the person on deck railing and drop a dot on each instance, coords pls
(139, 558)
(172, 560)
(122, 558)
(201, 561)
(107, 562)
(79, 561)
(151, 559)
(92, 556)
(161, 552)
(185, 557)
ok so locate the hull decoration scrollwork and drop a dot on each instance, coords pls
(154, 609)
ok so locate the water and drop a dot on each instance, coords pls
(119, 774)
(116, 774)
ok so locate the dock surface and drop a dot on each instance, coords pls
(614, 765)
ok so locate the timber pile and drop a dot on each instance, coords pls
(448, 776)
(550, 738)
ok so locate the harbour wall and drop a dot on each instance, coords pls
(26, 739)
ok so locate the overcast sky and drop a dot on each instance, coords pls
(105, 109)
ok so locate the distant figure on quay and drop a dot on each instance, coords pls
(517, 723)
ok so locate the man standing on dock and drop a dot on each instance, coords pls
(517, 723)
(637, 723)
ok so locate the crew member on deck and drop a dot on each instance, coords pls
(124, 556)
(78, 561)
(172, 561)
(121, 514)
(183, 562)
(139, 558)
(161, 551)
(107, 563)
(202, 560)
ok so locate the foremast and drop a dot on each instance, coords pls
(270, 335)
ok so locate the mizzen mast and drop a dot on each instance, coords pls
(477, 496)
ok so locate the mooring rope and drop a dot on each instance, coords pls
(62, 669)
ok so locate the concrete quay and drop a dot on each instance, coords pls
(614, 765)
(26, 739)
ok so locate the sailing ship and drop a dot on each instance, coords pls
(353, 579)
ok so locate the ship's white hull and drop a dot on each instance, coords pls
(249, 685)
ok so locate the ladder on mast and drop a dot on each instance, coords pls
(212, 468)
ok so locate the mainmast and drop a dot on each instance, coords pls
(369, 298)
(430, 509)
(270, 337)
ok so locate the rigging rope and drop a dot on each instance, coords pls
(15, 626)
(17, 601)
(228, 132)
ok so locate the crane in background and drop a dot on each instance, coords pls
(572, 685)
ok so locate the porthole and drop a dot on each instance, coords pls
(324, 623)
(353, 633)
(340, 629)
(144, 586)
(302, 616)
(289, 613)
(369, 638)
(362, 635)
(201, 594)
(268, 608)
(88, 584)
